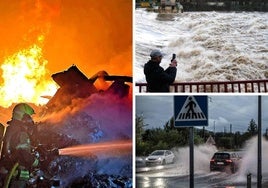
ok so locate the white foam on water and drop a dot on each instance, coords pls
(202, 156)
(250, 160)
(210, 46)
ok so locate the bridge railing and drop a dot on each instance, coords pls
(245, 86)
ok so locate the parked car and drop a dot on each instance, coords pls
(225, 161)
(161, 157)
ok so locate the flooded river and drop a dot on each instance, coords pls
(210, 46)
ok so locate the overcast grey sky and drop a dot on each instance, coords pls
(223, 110)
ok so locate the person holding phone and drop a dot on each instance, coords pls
(157, 78)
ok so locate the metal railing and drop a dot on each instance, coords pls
(245, 86)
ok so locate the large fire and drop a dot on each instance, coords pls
(41, 35)
(26, 78)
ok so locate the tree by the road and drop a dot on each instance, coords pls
(252, 128)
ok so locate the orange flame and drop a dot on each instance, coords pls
(24, 73)
(25, 78)
(87, 34)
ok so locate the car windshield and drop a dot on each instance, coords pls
(221, 156)
(158, 153)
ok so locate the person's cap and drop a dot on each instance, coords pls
(156, 53)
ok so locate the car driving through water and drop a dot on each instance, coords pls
(225, 161)
(160, 157)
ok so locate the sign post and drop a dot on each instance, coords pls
(259, 163)
(190, 111)
(191, 143)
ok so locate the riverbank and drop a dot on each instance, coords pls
(261, 6)
(213, 5)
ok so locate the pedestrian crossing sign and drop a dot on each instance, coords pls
(190, 111)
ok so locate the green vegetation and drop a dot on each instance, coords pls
(168, 137)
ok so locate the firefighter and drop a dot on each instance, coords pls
(17, 147)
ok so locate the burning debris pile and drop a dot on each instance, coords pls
(74, 84)
(82, 130)
(93, 180)
(82, 124)
(94, 126)
(81, 172)
(79, 128)
(85, 164)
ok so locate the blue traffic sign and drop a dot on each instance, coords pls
(190, 111)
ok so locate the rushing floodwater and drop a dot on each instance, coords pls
(210, 46)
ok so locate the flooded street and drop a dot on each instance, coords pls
(171, 176)
(177, 174)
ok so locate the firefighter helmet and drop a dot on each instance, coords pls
(20, 110)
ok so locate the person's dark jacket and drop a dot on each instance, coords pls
(157, 78)
(17, 146)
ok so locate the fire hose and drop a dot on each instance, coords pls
(10, 175)
(44, 154)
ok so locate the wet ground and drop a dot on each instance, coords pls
(171, 176)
